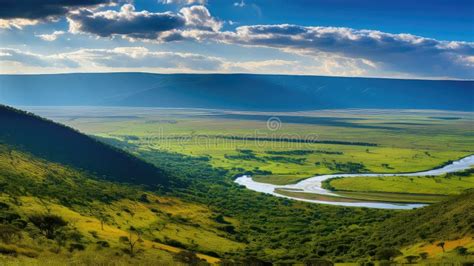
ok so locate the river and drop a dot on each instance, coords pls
(313, 185)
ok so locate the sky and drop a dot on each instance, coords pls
(399, 39)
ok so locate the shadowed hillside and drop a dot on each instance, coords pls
(234, 91)
(61, 144)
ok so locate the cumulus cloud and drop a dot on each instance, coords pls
(184, 2)
(50, 37)
(325, 50)
(126, 22)
(131, 24)
(389, 52)
(199, 17)
(30, 12)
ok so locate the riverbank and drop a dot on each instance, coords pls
(314, 185)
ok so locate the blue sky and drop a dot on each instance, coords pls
(403, 39)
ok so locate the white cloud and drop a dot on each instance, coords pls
(143, 25)
(117, 59)
(17, 23)
(183, 2)
(321, 50)
(142, 59)
(126, 23)
(239, 4)
(14, 58)
(200, 18)
(385, 52)
(50, 37)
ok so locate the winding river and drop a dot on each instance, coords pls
(313, 185)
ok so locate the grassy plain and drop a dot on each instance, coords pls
(406, 140)
(452, 184)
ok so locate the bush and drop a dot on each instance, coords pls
(103, 244)
(76, 246)
(48, 224)
(9, 233)
(387, 254)
(424, 255)
(460, 250)
(190, 258)
(411, 258)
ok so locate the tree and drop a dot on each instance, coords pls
(188, 257)
(388, 254)
(412, 258)
(441, 245)
(318, 262)
(9, 233)
(424, 255)
(461, 250)
(48, 224)
(132, 241)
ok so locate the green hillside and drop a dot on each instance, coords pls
(61, 144)
(449, 224)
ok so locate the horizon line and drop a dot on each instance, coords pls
(236, 73)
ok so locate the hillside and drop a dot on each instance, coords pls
(448, 220)
(57, 143)
(58, 204)
(234, 91)
(95, 216)
(426, 230)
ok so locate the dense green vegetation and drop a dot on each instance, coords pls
(66, 212)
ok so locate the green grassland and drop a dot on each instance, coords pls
(406, 140)
(448, 184)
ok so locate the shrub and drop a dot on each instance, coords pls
(424, 255)
(387, 254)
(103, 244)
(411, 258)
(48, 224)
(9, 233)
(190, 258)
(76, 246)
(460, 250)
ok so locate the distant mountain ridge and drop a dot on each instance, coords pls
(234, 91)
